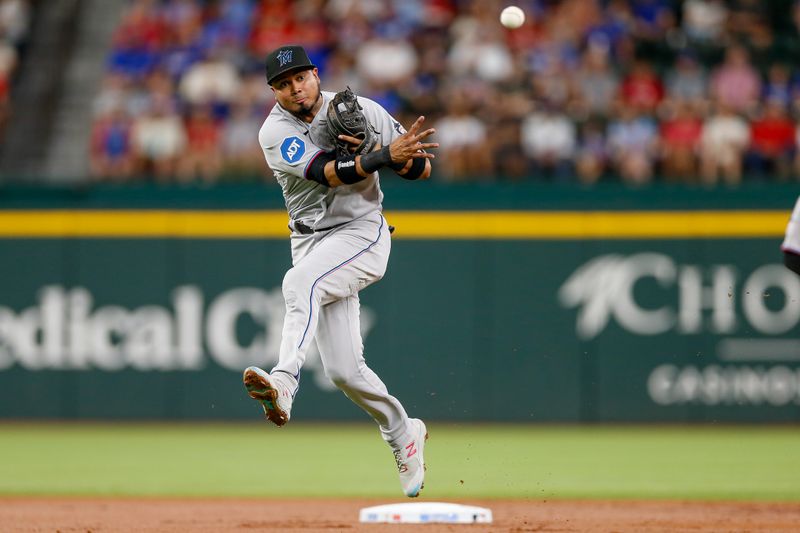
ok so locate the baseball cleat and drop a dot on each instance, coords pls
(275, 398)
(410, 462)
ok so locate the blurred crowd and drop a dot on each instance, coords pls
(692, 91)
(14, 32)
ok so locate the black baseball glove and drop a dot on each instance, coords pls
(346, 117)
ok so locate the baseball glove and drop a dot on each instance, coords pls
(346, 117)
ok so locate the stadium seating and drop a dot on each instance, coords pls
(698, 91)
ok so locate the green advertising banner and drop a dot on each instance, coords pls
(647, 313)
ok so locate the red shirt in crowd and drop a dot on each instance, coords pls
(143, 27)
(202, 133)
(642, 89)
(771, 136)
(682, 132)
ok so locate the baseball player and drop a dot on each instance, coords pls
(791, 244)
(340, 242)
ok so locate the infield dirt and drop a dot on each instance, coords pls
(97, 515)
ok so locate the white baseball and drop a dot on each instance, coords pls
(512, 17)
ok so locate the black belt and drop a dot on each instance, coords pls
(302, 229)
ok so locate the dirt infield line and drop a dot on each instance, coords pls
(97, 515)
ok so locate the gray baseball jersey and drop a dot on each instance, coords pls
(290, 145)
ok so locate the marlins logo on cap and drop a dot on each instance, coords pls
(286, 59)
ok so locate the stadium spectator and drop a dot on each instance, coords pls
(652, 18)
(137, 40)
(201, 158)
(158, 139)
(183, 47)
(704, 26)
(745, 16)
(735, 83)
(641, 88)
(111, 156)
(273, 26)
(113, 94)
(549, 140)
(779, 85)
(632, 143)
(478, 49)
(704, 20)
(687, 81)
(723, 142)
(596, 84)
(454, 63)
(772, 142)
(376, 54)
(179, 14)
(612, 32)
(553, 85)
(680, 137)
(461, 136)
(211, 80)
(509, 162)
(241, 153)
(340, 71)
(592, 158)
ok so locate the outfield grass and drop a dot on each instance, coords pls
(305, 460)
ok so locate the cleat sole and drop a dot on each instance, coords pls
(260, 389)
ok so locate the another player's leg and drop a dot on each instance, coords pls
(341, 350)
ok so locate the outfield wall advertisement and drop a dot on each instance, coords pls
(695, 324)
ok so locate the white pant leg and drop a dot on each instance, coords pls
(327, 267)
(341, 350)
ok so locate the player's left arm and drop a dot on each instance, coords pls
(401, 154)
(367, 139)
(413, 168)
(334, 170)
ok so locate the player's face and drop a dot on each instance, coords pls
(298, 93)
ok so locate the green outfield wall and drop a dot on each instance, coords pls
(506, 302)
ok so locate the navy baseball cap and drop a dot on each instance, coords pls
(286, 59)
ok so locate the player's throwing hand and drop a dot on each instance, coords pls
(408, 146)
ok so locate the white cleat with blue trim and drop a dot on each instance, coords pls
(410, 461)
(274, 396)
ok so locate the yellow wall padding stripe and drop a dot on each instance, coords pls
(143, 224)
(590, 224)
(410, 224)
